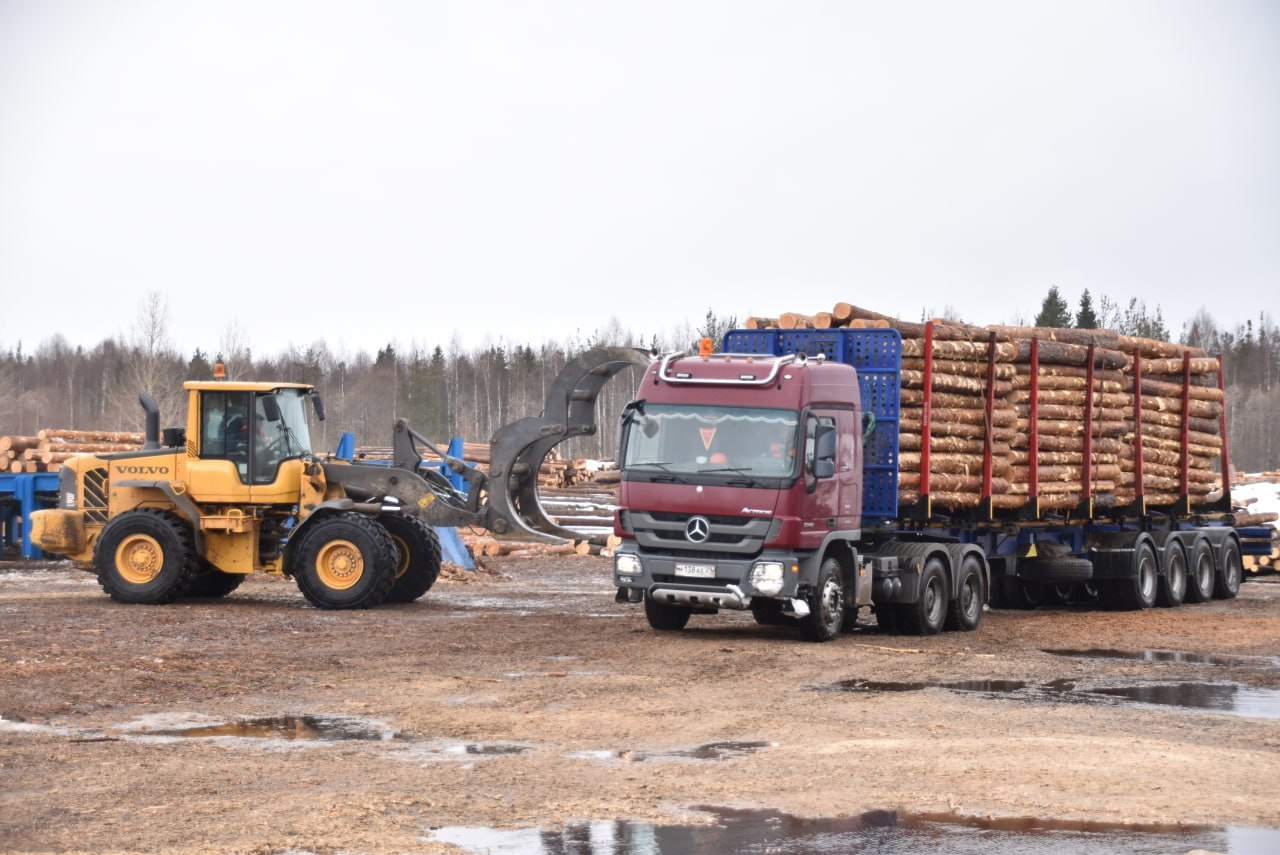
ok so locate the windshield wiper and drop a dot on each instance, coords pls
(665, 467)
(745, 479)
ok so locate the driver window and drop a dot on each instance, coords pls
(810, 438)
(224, 428)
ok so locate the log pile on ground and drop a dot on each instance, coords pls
(50, 448)
(1060, 395)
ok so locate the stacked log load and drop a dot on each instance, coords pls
(1065, 393)
(48, 449)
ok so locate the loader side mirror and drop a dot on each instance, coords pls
(317, 403)
(271, 408)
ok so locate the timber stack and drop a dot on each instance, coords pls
(1079, 419)
(49, 448)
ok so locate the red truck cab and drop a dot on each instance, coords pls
(741, 488)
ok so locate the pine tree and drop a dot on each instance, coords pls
(1054, 311)
(1086, 318)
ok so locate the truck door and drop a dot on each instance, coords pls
(821, 506)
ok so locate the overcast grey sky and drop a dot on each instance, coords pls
(369, 172)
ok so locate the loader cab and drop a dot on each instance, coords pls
(254, 426)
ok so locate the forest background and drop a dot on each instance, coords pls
(443, 390)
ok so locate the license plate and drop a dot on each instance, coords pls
(696, 571)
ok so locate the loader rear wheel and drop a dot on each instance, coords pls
(346, 561)
(417, 556)
(144, 556)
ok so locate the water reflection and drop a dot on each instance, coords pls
(746, 831)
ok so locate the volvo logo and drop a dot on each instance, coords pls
(697, 530)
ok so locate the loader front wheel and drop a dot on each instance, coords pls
(144, 556)
(417, 556)
(346, 561)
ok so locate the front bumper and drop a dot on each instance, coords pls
(728, 583)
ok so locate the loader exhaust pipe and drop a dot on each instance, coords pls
(151, 422)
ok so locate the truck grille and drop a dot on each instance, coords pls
(665, 532)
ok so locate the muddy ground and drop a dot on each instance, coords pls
(524, 696)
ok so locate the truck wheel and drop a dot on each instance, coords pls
(1173, 584)
(928, 614)
(664, 616)
(212, 583)
(769, 612)
(826, 604)
(1226, 580)
(1138, 590)
(145, 556)
(417, 556)
(887, 618)
(345, 561)
(964, 613)
(1200, 578)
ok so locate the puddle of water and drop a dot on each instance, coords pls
(1216, 697)
(710, 751)
(878, 831)
(447, 750)
(1166, 656)
(287, 727)
(1229, 698)
(988, 686)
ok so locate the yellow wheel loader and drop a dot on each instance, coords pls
(240, 490)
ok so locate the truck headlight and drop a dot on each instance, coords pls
(625, 564)
(766, 578)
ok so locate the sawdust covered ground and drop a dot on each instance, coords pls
(524, 696)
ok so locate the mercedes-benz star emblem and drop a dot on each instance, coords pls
(697, 530)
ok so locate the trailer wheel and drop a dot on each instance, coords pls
(826, 604)
(1020, 594)
(1173, 584)
(345, 561)
(417, 556)
(1201, 571)
(1138, 590)
(1226, 581)
(145, 556)
(665, 617)
(964, 613)
(928, 614)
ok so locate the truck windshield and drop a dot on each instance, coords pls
(687, 439)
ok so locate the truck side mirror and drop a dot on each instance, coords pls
(824, 453)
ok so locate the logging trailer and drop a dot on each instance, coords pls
(239, 490)
(770, 478)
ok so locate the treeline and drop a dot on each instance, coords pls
(445, 390)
